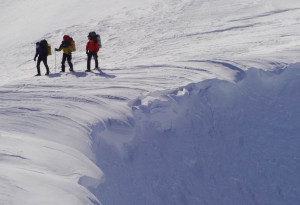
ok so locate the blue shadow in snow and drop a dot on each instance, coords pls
(82, 74)
(78, 74)
(103, 74)
(54, 75)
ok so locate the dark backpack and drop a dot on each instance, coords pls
(96, 38)
(47, 46)
(99, 40)
(44, 43)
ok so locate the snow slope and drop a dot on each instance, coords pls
(196, 103)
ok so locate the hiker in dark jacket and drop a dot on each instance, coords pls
(42, 54)
(67, 54)
(92, 49)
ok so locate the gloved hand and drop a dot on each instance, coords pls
(56, 49)
(34, 59)
(87, 52)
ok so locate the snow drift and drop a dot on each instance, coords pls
(213, 142)
(196, 103)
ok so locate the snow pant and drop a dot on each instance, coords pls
(90, 55)
(69, 59)
(40, 59)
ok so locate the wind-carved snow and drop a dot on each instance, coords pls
(212, 142)
(196, 103)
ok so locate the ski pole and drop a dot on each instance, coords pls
(55, 61)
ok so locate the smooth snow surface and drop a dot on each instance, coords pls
(197, 102)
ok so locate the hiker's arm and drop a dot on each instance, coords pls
(36, 54)
(59, 49)
(87, 47)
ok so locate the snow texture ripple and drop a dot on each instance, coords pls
(196, 103)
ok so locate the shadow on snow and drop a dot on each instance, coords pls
(83, 74)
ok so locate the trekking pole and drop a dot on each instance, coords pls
(55, 61)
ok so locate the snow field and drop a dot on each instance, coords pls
(175, 117)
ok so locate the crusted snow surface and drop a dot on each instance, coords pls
(196, 102)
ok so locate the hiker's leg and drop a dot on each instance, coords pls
(38, 65)
(89, 61)
(46, 65)
(69, 58)
(63, 62)
(96, 60)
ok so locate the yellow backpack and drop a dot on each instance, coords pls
(49, 49)
(73, 46)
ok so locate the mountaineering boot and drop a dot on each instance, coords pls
(62, 68)
(38, 74)
(47, 73)
(88, 70)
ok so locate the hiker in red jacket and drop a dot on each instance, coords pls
(92, 48)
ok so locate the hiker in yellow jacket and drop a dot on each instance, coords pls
(67, 54)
